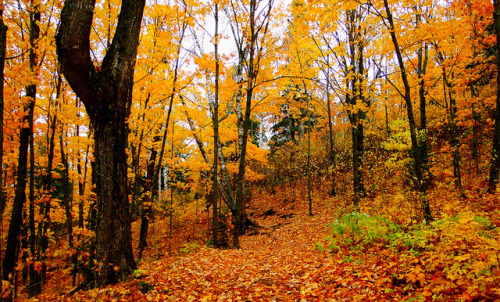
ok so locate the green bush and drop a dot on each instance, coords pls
(359, 230)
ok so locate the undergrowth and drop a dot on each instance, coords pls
(460, 253)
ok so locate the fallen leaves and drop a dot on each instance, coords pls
(281, 262)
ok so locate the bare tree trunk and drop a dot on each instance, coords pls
(66, 188)
(495, 152)
(10, 257)
(309, 181)
(35, 282)
(331, 142)
(423, 57)
(454, 139)
(3, 48)
(11, 250)
(215, 119)
(107, 95)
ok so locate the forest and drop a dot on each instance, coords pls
(249, 150)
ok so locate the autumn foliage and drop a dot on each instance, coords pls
(355, 153)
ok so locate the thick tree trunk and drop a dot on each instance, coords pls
(107, 96)
(113, 234)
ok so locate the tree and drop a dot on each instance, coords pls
(495, 152)
(26, 142)
(3, 47)
(215, 120)
(348, 40)
(249, 36)
(106, 92)
(418, 172)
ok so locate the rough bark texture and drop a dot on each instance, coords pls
(107, 96)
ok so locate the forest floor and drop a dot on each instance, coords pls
(289, 259)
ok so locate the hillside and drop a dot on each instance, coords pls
(456, 258)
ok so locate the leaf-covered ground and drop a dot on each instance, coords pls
(288, 259)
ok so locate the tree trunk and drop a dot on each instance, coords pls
(331, 142)
(26, 140)
(423, 57)
(309, 180)
(10, 255)
(146, 206)
(495, 152)
(43, 226)
(3, 48)
(114, 237)
(418, 170)
(215, 119)
(154, 176)
(357, 163)
(454, 139)
(107, 96)
(35, 282)
(224, 186)
(66, 188)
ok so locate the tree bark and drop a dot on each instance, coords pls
(35, 278)
(495, 152)
(251, 51)
(10, 256)
(107, 96)
(12, 247)
(215, 119)
(454, 135)
(3, 48)
(331, 142)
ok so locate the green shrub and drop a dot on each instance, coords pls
(359, 230)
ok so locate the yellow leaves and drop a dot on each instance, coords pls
(416, 274)
(6, 289)
(206, 63)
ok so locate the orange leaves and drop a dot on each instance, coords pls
(416, 274)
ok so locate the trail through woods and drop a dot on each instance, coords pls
(454, 259)
(279, 264)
